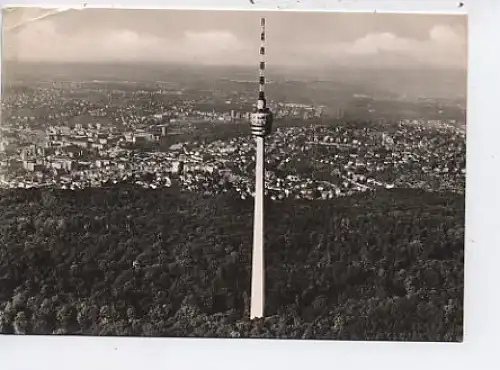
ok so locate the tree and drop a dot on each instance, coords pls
(6, 323)
(66, 316)
(20, 323)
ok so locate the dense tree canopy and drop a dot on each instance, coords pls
(126, 261)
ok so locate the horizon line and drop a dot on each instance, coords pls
(249, 65)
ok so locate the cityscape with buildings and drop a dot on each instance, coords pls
(80, 143)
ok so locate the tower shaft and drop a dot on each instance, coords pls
(258, 265)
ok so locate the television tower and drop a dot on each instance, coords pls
(261, 124)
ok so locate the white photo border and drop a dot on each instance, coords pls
(482, 250)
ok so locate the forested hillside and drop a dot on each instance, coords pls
(384, 266)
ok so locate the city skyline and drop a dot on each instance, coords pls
(226, 38)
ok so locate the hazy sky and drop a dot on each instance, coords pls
(229, 37)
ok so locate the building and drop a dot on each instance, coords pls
(29, 165)
(177, 167)
(142, 138)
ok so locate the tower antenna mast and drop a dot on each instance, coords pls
(261, 125)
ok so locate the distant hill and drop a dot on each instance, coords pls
(425, 82)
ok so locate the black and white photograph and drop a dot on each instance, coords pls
(233, 174)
